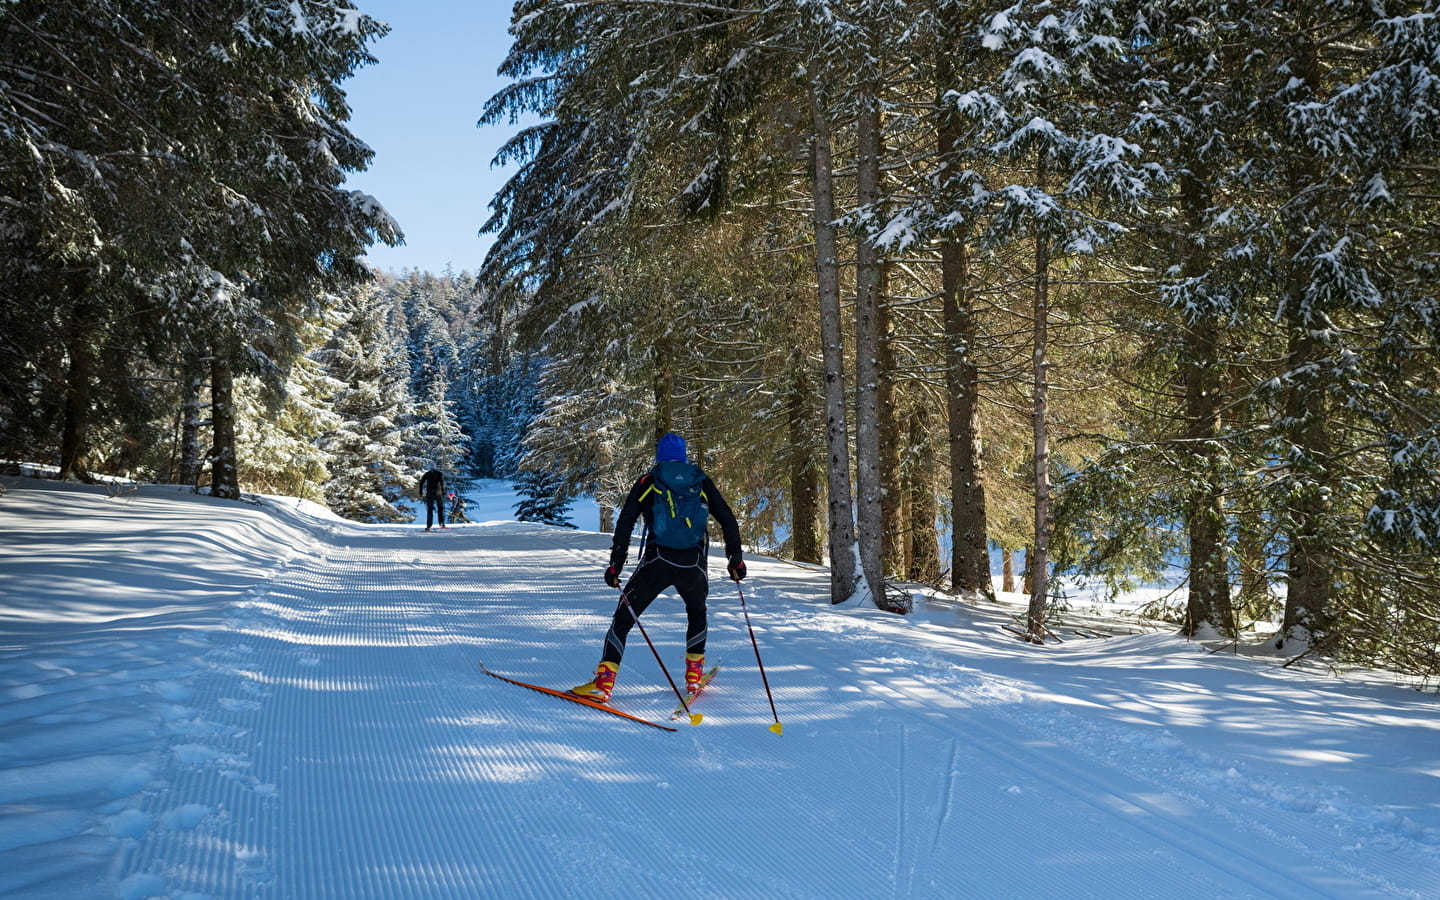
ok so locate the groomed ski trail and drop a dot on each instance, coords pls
(342, 743)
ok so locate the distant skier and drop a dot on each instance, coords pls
(676, 498)
(432, 491)
(457, 508)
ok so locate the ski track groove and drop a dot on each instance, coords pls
(1058, 777)
(1284, 834)
(332, 796)
(902, 803)
(947, 795)
(359, 656)
(1018, 818)
(1295, 833)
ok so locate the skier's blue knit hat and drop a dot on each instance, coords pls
(671, 446)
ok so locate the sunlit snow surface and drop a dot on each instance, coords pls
(202, 698)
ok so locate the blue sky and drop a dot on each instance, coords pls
(417, 110)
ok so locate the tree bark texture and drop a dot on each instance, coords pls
(868, 330)
(79, 378)
(894, 495)
(1209, 597)
(845, 574)
(922, 506)
(191, 463)
(663, 387)
(1040, 557)
(1311, 564)
(224, 470)
(969, 550)
(804, 473)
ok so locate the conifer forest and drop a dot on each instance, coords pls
(1100, 289)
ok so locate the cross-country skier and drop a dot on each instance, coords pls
(432, 491)
(672, 554)
(457, 508)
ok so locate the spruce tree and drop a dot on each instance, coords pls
(542, 499)
(369, 478)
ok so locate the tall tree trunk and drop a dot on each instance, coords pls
(868, 330)
(1209, 598)
(969, 551)
(899, 519)
(923, 506)
(603, 460)
(79, 378)
(1007, 571)
(224, 470)
(1311, 565)
(190, 425)
(846, 578)
(663, 386)
(1311, 560)
(804, 476)
(894, 501)
(698, 447)
(1039, 559)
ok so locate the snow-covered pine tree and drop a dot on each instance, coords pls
(433, 437)
(278, 431)
(175, 150)
(500, 407)
(589, 431)
(1190, 109)
(655, 282)
(542, 499)
(1348, 101)
(940, 210)
(431, 348)
(368, 477)
(1081, 175)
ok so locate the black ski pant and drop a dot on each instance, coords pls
(430, 507)
(652, 577)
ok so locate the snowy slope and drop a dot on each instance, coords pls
(211, 699)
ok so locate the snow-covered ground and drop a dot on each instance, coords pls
(201, 698)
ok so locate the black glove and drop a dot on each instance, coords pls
(736, 568)
(612, 576)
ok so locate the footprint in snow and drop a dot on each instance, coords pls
(184, 818)
(130, 823)
(173, 690)
(140, 886)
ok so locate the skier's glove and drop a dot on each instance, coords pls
(736, 567)
(612, 576)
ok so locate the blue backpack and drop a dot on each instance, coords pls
(679, 512)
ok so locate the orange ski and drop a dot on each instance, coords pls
(576, 698)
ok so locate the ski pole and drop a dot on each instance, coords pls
(777, 727)
(694, 717)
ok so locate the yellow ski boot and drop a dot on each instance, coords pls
(694, 671)
(600, 687)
